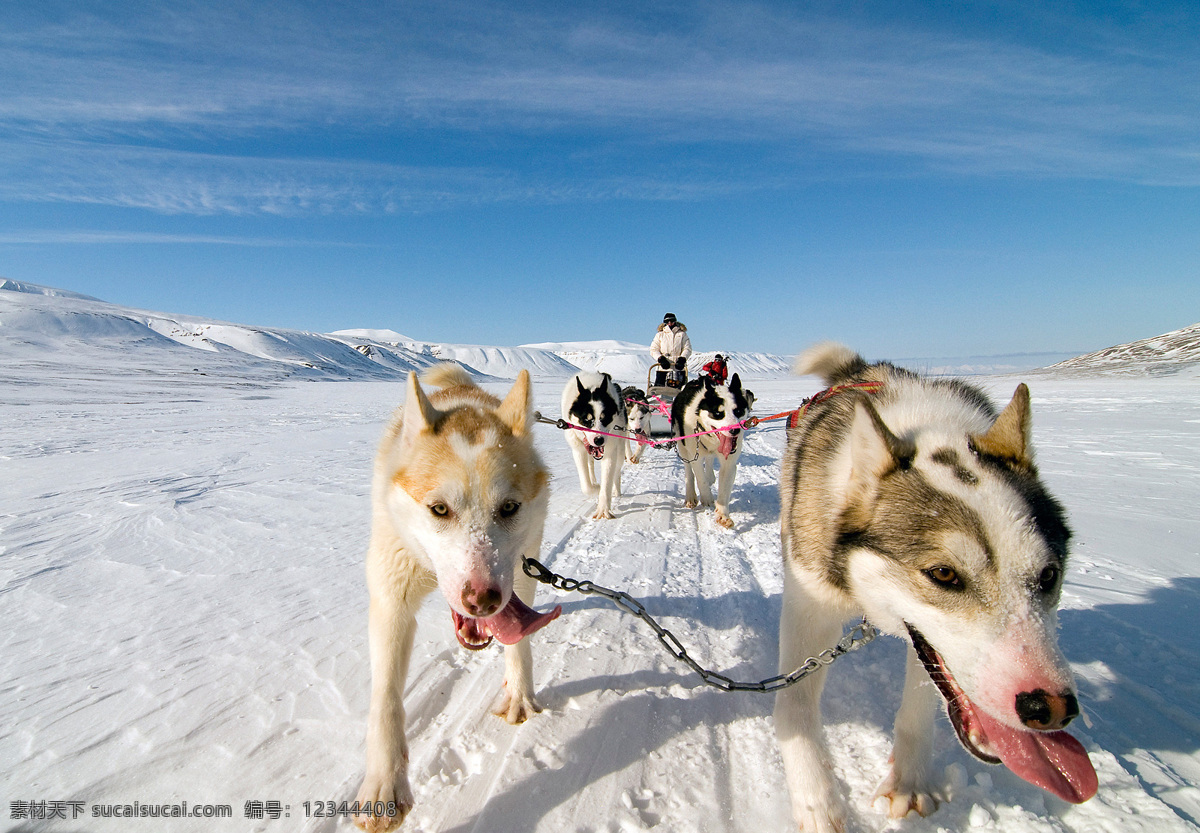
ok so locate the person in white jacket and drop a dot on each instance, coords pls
(671, 347)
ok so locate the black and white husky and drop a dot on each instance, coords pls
(919, 506)
(593, 403)
(703, 406)
(638, 411)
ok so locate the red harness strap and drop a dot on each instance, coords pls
(795, 416)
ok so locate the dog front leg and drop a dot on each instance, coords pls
(725, 480)
(704, 479)
(689, 479)
(907, 787)
(583, 465)
(390, 630)
(516, 702)
(610, 480)
(805, 629)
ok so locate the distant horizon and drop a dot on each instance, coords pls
(366, 334)
(973, 179)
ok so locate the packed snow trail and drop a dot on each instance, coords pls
(182, 585)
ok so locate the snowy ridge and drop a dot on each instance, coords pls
(9, 285)
(1174, 352)
(61, 327)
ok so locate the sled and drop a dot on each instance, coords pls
(661, 397)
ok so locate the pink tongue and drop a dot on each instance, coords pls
(1054, 761)
(725, 443)
(516, 621)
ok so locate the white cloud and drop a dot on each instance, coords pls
(614, 92)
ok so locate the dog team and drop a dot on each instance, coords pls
(911, 501)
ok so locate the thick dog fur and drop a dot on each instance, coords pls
(638, 411)
(703, 406)
(919, 506)
(594, 401)
(458, 496)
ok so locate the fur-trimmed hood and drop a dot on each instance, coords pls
(678, 324)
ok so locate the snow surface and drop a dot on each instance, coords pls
(182, 589)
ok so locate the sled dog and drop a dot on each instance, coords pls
(457, 497)
(593, 401)
(638, 409)
(700, 406)
(919, 506)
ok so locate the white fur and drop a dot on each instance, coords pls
(700, 455)
(639, 428)
(582, 441)
(1006, 646)
(411, 552)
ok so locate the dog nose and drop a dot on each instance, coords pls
(599, 440)
(480, 602)
(1046, 712)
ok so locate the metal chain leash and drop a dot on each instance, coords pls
(859, 635)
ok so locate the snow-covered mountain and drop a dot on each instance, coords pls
(59, 327)
(66, 328)
(1169, 353)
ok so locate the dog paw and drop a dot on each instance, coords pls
(725, 521)
(393, 800)
(812, 820)
(690, 504)
(515, 708)
(898, 800)
(603, 516)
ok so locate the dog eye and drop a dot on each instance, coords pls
(1048, 578)
(945, 577)
(440, 509)
(509, 508)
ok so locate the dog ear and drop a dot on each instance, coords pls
(516, 411)
(874, 451)
(579, 384)
(1009, 437)
(735, 383)
(419, 413)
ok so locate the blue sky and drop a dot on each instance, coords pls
(914, 179)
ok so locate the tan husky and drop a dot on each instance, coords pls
(914, 502)
(459, 495)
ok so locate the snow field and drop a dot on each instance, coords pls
(182, 587)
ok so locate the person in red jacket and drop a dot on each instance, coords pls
(717, 369)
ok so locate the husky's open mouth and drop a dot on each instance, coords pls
(596, 451)
(1054, 761)
(512, 624)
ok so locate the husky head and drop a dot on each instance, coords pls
(704, 405)
(468, 496)
(637, 410)
(951, 540)
(593, 400)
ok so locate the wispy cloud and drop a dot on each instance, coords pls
(156, 109)
(85, 237)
